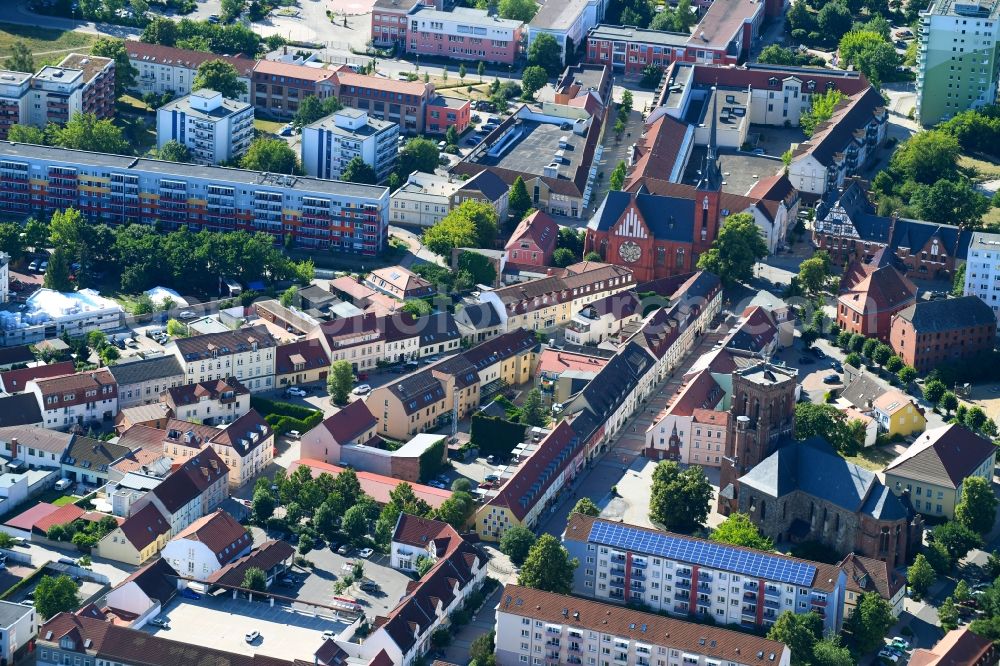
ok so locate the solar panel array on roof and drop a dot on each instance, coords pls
(703, 553)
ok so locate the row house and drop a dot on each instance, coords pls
(141, 382)
(930, 333)
(246, 446)
(300, 362)
(76, 400)
(170, 70)
(194, 489)
(138, 538)
(246, 354)
(207, 545)
(119, 189)
(684, 575)
(533, 625)
(604, 319)
(213, 402)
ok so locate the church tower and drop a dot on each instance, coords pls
(762, 416)
(708, 213)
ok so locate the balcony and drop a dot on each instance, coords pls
(772, 592)
(683, 584)
(617, 571)
(680, 596)
(750, 585)
(684, 573)
(704, 587)
(638, 575)
(770, 603)
(750, 596)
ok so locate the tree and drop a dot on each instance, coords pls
(418, 155)
(821, 109)
(826, 421)
(220, 76)
(21, 59)
(451, 136)
(263, 504)
(533, 78)
(273, 155)
(457, 510)
(175, 151)
(533, 412)
(907, 374)
(950, 202)
(472, 224)
(424, 564)
(85, 132)
(546, 53)
(339, 381)
(125, 73)
(933, 391)
(313, 108)
(355, 524)
(57, 275)
(927, 157)
(26, 134)
(834, 21)
(938, 557)
(231, 10)
(975, 418)
(871, 344)
(548, 566)
(813, 275)
(962, 592)
(563, 257)
(478, 266)
(948, 614)
(586, 506)
(618, 176)
(853, 359)
(482, 648)
(882, 353)
(738, 247)
(160, 30)
(978, 508)
(518, 10)
(920, 576)
(516, 542)
(54, 595)
(774, 54)
(869, 53)
(359, 171)
(829, 652)
(957, 539)
(480, 68)
(255, 579)
(738, 530)
(870, 621)
(949, 401)
(799, 632)
(518, 201)
(992, 564)
(679, 499)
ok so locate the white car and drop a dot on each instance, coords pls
(292, 390)
(187, 314)
(362, 389)
(329, 635)
(252, 636)
(365, 553)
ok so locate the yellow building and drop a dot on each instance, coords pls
(140, 537)
(934, 468)
(897, 414)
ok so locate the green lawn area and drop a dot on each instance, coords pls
(267, 125)
(874, 458)
(64, 500)
(133, 104)
(42, 40)
(986, 169)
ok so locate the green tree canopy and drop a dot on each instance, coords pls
(26, 134)
(927, 157)
(826, 421)
(313, 108)
(738, 247)
(255, 579)
(813, 275)
(871, 620)
(950, 202)
(21, 59)
(618, 176)
(799, 632)
(518, 201)
(479, 267)
(920, 576)
(821, 108)
(829, 652)
(272, 155)
(518, 10)
(533, 412)
(54, 595)
(516, 542)
(57, 275)
(418, 154)
(679, 499)
(359, 171)
(85, 132)
(125, 73)
(978, 509)
(222, 77)
(472, 224)
(956, 538)
(548, 566)
(533, 78)
(870, 53)
(834, 20)
(175, 151)
(586, 506)
(339, 381)
(545, 52)
(738, 530)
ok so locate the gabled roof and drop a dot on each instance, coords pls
(92, 455)
(659, 151)
(438, 328)
(893, 401)
(350, 422)
(20, 410)
(539, 228)
(308, 353)
(224, 390)
(943, 456)
(488, 184)
(147, 369)
(157, 580)
(293, 71)
(205, 346)
(865, 574)
(959, 647)
(612, 385)
(245, 434)
(478, 316)
(221, 533)
(267, 556)
(863, 391)
(191, 479)
(13, 381)
(144, 526)
(500, 348)
(400, 278)
(187, 58)
(834, 135)
(376, 486)
(885, 289)
(426, 533)
(754, 332)
(667, 217)
(948, 314)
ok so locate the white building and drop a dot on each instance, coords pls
(193, 490)
(33, 446)
(122, 494)
(166, 69)
(18, 628)
(140, 382)
(215, 402)
(76, 400)
(214, 129)
(982, 270)
(246, 354)
(207, 545)
(48, 313)
(4, 277)
(78, 84)
(423, 199)
(14, 98)
(329, 144)
(531, 624)
(568, 21)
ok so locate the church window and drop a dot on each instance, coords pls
(763, 509)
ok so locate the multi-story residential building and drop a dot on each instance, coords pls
(329, 144)
(119, 189)
(604, 319)
(685, 575)
(423, 200)
(246, 446)
(870, 294)
(141, 382)
(390, 19)
(484, 186)
(533, 241)
(213, 129)
(532, 624)
(48, 313)
(549, 302)
(982, 269)
(933, 470)
(246, 354)
(444, 112)
(87, 460)
(142, 534)
(562, 373)
(300, 362)
(402, 102)
(359, 339)
(464, 33)
(15, 89)
(898, 414)
(213, 402)
(929, 333)
(399, 282)
(726, 32)
(14, 381)
(18, 629)
(78, 84)
(166, 69)
(207, 545)
(867, 575)
(958, 61)
(193, 490)
(568, 22)
(351, 426)
(627, 49)
(478, 322)
(279, 87)
(76, 400)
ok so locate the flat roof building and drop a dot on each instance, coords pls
(213, 129)
(329, 144)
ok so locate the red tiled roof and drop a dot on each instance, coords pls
(144, 526)
(27, 519)
(349, 422)
(292, 71)
(418, 531)
(376, 486)
(379, 83)
(885, 289)
(660, 150)
(558, 361)
(168, 55)
(540, 228)
(14, 380)
(67, 513)
(959, 647)
(865, 575)
(77, 385)
(188, 394)
(222, 533)
(758, 77)
(267, 556)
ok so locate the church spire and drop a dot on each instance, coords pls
(711, 178)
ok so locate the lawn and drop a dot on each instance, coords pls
(874, 458)
(43, 40)
(987, 170)
(267, 125)
(64, 500)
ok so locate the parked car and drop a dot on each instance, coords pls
(492, 478)
(329, 635)
(158, 622)
(831, 379)
(252, 636)
(362, 389)
(33, 267)
(344, 550)
(188, 593)
(836, 366)
(369, 586)
(286, 130)
(888, 655)
(293, 390)
(901, 643)
(817, 352)
(365, 553)
(44, 266)
(805, 360)
(187, 314)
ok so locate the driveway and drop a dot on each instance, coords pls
(318, 585)
(482, 622)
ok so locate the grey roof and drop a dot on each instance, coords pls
(372, 127)
(147, 369)
(813, 467)
(19, 354)
(558, 14)
(615, 381)
(943, 456)
(92, 455)
(478, 316)
(20, 409)
(35, 437)
(225, 343)
(862, 391)
(668, 218)
(488, 183)
(438, 328)
(11, 612)
(226, 108)
(628, 33)
(948, 314)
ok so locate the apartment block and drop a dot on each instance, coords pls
(567, 22)
(982, 270)
(80, 399)
(402, 102)
(929, 333)
(166, 69)
(214, 129)
(390, 20)
(958, 59)
(532, 625)
(329, 144)
(423, 200)
(15, 88)
(464, 33)
(279, 87)
(118, 189)
(78, 84)
(246, 354)
(629, 49)
(685, 575)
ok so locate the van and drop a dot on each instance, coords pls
(63, 484)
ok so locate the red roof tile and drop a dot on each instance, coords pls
(13, 381)
(222, 533)
(168, 55)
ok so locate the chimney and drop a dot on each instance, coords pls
(13, 448)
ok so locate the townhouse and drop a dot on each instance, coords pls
(207, 545)
(423, 200)
(121, 189)
(212, 403)
(399, 282)
(20, 410)
(351, 426)
(300, 362)
(533, 241)
(439, 334)
(76, 400)
(509, 359)
(867, 575)
(14, 381)
(478, 322)
(933, 470)
(194, 489)
(141, 382)
(33, 446)
(604, 319)
(929, 333)
(213, 129)
(534, 625)
(87, 460)
(562, 373)
(541, 305)
(142, 535)
(246, 354)
(167, 69)
(279, 87)
(486, 187)
(685, 575)
(870, 294)
(359, 339)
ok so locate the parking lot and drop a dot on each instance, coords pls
(222, 622)
(318, 585)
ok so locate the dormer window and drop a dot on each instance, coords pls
(67, 643)
(773, 81)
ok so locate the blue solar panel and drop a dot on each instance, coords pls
(703, 553)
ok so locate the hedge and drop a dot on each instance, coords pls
(268, 407)
(495, 436)
(431, 460)
(283, 424)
